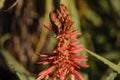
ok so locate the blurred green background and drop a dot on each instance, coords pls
(22, 35)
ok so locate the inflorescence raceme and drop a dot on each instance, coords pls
(64, 60)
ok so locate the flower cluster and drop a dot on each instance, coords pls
(64, 60)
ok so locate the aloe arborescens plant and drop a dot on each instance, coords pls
(64, 59)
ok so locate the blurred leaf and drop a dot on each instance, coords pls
(14, 66)
(43, 34)
(34, 15)
(1, 3)
(13, 5)
(116, 5)
(92, 16)
(3, 39)
(107, 62)
(11, 62)
(51, 43)
(112, 75)
(105, 6)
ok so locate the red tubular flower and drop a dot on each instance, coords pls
(64, 60)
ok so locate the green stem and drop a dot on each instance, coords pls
(43, 34)
(107, 62)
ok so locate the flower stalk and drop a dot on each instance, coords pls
(64, 60)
